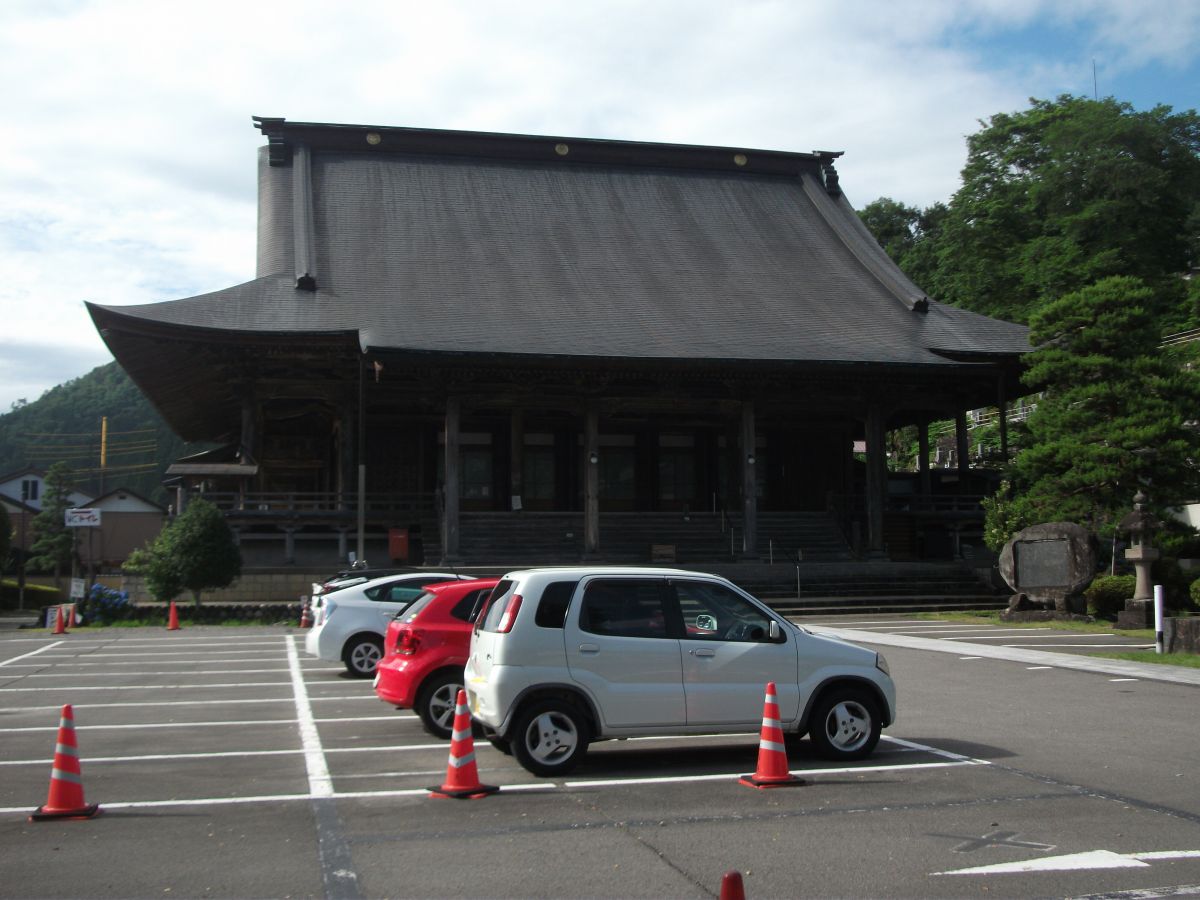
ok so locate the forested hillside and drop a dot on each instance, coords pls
(64, 424)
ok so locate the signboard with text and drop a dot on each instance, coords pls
(82, 518)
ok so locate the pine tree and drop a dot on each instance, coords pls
(1112, 419)
(53, 547)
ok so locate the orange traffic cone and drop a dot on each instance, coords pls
(172, 618)
(772, 768)
(462, 778)
(731, 886)
(60, 624)
(305, 619)
(66, 782)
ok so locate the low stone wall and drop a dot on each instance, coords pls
(251, 587)
(1181, 635)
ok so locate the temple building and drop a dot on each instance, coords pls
(488, 348)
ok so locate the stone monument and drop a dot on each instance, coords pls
(1047, 566)
(1139, 610)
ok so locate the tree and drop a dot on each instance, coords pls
(6, 535)
(1064, 194)
(1113, 416)
(910, 236)
(195, 552)
(53, 547)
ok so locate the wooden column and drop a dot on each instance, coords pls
(450, 491)
(749, 483)
(591, 481)
(963, 449)
(516, 459)
(923, 480)
(1002, 412)
(876, 485)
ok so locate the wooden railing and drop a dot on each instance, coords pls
(270, 504)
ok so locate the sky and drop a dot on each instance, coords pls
(127, 162)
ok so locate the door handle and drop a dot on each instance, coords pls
(589, 648)
(705, 651)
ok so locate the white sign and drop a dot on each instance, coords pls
(78, 587)
(82, 518)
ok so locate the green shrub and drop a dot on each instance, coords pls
(105, 605)
(1106, 595)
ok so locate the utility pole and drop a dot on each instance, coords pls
(103, 450)
(24, 551)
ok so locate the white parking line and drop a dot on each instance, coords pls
(216, 724)
(31, 653)
(1092, 646)
(189, 672)
(1037, 668)
(156, 653)
(135, 703)
(319, 782)
(144, 687)
(159, 757)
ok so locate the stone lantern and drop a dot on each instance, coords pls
(1139, 611)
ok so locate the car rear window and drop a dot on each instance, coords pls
(489, 619)
(463, 608)
(552, 608)
(411, 611)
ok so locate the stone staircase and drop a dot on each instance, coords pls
(875, 587)
(830, 580)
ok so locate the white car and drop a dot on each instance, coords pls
(563, 657)
(351, 623)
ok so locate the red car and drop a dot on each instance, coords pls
(425, 650)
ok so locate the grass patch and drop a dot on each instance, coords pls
(1188, 660)
(993, 618)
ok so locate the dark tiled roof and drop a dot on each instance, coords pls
(487, 255)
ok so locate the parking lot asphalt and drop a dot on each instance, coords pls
(228, 763)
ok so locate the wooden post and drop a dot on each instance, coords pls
(749, 483)
(591, 481)
(450, 490)
(516, 459)
(963, 449)
(876, 485)
(1002, 411)
(923, 458)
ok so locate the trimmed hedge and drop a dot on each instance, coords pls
(217, 614)
(1106, 595)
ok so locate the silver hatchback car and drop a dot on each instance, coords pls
(563, 657)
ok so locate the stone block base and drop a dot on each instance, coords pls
(1136, 614)
(1181, 635)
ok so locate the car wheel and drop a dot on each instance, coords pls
(845, 724)
(436, 703)
(362, 654)
(550, 737)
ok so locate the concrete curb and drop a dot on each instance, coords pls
(1118, 667)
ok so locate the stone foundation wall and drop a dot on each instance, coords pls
(1181, 635)
(251, 587)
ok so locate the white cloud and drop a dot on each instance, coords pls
(127, 175)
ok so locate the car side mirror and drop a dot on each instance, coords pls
(774, 632)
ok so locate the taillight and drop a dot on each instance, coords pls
(408, 643)
(510, 614)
